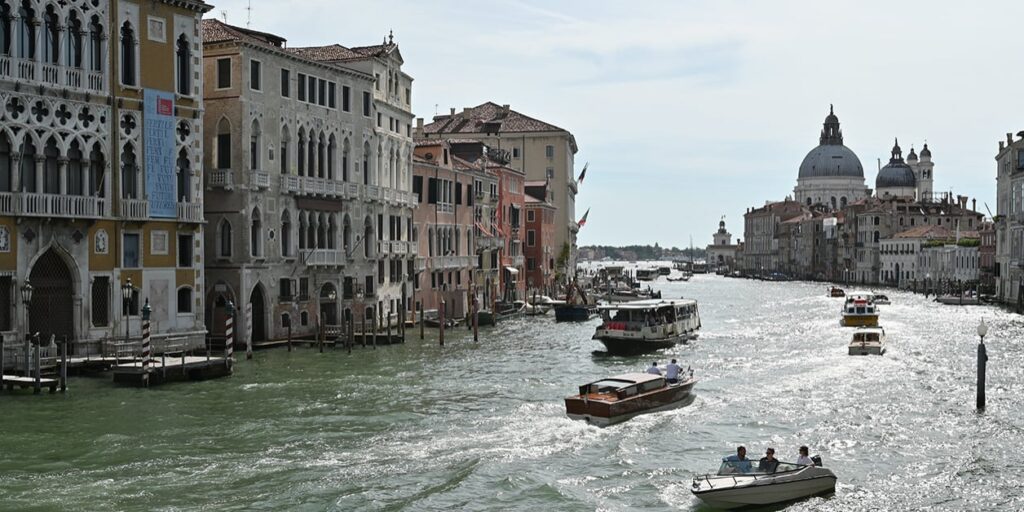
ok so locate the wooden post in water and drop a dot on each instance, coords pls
(229, 335)
(388, 328)
(362, 328)
(982, 364)
(289, 326)
(63, 365)
(377, 324)
(476, 319)
(440, 317)
(28, 356)
(320, 333)
(248, 330)
(373, 327)
(39, 369)
(421, 321)
(401, 314)
(351, 330)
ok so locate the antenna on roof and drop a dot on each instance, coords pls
(224, 14)
(248, 15)
(435, 109)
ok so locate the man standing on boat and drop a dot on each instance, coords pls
(654, 370)
(672, 372)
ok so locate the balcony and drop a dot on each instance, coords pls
(222, 178)
(259, 179)
(323, 257)
(451, 262)
(373, 193)
(517, 261)
(318, 187)
(133, 209)
(52, 74)
(31, 204)
(383, 248)
(190, 212)
(421, 264)
(574, 186)
(489, 242)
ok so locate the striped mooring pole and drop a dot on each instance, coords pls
(248, 330)
(147, 352)
(229, 334)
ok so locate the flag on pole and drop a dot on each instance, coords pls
(583, 221)
(584, 173)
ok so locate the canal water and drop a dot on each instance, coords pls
(481, 426)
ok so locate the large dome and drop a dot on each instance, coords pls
(831, 160)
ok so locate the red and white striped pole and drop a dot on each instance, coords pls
(248, 330)
(229, 334)
(147, 353)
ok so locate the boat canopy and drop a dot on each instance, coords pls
(648, 304)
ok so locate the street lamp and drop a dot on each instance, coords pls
(126, 297)
(26, 293)
(982, 361)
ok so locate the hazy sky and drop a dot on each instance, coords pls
(687, 110)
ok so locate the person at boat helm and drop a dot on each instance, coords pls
(739, 461)
(804, 459)
(768, 463)
(654, 370)
(672, 372)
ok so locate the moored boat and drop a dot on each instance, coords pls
(619, 398)
(646, 274)
(647, 325)
(573, 312)
(867, 341)
(959, 300)
(741, 484)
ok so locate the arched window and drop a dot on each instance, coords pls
(128, 54)
(368, 240)
(223, 144)
(254, 146)
(876, 220)
(51, 37)
(76, 185)
(808, 201)
(5, 29)
(301, 151)
(332, 233)
(283, 156)
(311, 155)
(96, 36)
(74, 53)
(366, 164)
(302, 230)
(26, 31)
(184, 299)
(286, 234)
(51, 169)
(377, 178)
(430, 241)
(332, 154)
(226, 238)
(97, 172)
(346, 235)
(184, 171)
(6, 162)
(321, 157)
(256, 234)
(183, 55)
(28, 166)
(344, 160)
(311, 241)
(876, 237)
(129, 173)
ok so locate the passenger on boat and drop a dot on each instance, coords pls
(804, 459)
(672, 372)
(768, 463)
(739, 462)
(654, 370)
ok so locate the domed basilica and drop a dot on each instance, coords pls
(831, 174)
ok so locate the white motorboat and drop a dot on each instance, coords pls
(745, 483)
(882, 300)
(867, 341)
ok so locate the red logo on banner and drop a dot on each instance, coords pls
(164, 107)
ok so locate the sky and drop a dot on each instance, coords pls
(688, 111)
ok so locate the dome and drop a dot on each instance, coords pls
(831, 160)
(912, 157)
(895, 175)
(925, 151)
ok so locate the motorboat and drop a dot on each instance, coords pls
(750, 483)
(867, 341)
(882, 300)
(646, 274)
(619, 398)
(620, 295)
(664, 271)
(959, 300)
(836, 291)
(574, 312)
(859, 310)
(647, 325)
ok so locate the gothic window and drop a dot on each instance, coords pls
(321, 153)
(51, 37)
(254, 146)
(184, 172)
(368, 240)
(332, 233)
(128, 54)
(256, 234)
(76, 183)
(74, 41)
(5, 29)
(97, 170)
(28, 166)
(346, 235)
(183, 54)
(96, 33)
(366, 164)
(301, 151)
(223, 144)
(225, 238)
(283, 157)
(26, 31)
(6, 164)
(311, 157)
(51, 168)
(286, 234)
(129, 173)
(344, 161)
(332, 150)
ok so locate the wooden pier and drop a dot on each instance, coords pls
(176, 369)
(10, 381)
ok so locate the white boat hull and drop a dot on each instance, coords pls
(743, 491)
(866, 349)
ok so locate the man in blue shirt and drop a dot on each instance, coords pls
(739, 461)
(672, 371)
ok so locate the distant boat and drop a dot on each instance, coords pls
(646, 274)
(859, 310)
(959, 300)
(867, 341)
(574, 312)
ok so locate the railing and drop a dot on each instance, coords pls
(323, 257)
(135, 209)
(190, 212)
(373, 193)
(446, 262)
(489, 242)
(517, 261)
(383, 248)
(222, 178)
(421, 264)
(5, 65)
(353, 191)
(95, 80)
(57, 205)
(51, 74)
(6, 203)
(260, 179)
(26, 69)
(73, 77)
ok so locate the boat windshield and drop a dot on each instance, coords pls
(753, 467)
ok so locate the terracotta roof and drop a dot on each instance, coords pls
(215, 31)
(930, 231)
(483, 118)
(339, 53)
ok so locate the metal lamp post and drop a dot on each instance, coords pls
(362, 315)
(982, 363)
(26, 298)
(126, 297)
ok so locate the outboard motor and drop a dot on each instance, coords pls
(817, 460)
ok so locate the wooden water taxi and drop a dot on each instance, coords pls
(619, 398)
(867, 341)
(836, 291)
(647, 325)
(859, 310)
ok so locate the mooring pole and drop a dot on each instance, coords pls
(229, 335)
(28, 355)
(39, 370)
(63, 364)
(362, 328)
(373, 327)
(388, 328)
(147, 350)
(982, 363)
(440, 314)
(421, 321)
(476, 319)
(289, 334)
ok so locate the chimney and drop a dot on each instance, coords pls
(1009, 139)
(974, 205)
(452, 111)
(1001, 145)
(504, 108)
(419, 124)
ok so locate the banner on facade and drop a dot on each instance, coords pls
(158, 152)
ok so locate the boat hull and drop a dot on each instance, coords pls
(768, 491)
(859, 321)
(631, 346)
(604, 414)
(573, 313)
(866, 350)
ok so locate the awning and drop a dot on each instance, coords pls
(512, 270)
(482, 229)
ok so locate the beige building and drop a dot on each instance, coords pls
(538, 149)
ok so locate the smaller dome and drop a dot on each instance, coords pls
(925, 151)
(895, 174)
(912, 156)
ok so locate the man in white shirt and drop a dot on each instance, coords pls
(654, 370)
(803, 459)
(672, 372)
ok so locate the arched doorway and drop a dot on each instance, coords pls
(217, 311)
(329, 304)
(259, 314)
(52, 309)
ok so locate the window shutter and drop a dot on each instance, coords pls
(458, 193)
(432, 191)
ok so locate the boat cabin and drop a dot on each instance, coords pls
(621, 387)
(646, 274)
(869, 335)
(634, 316)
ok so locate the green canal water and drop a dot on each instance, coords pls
(482, 426)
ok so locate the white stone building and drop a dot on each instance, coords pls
(831, 174)
(1010, 219)
(722, 252)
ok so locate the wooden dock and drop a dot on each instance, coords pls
(10, 381)
(174, 369)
